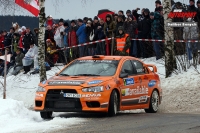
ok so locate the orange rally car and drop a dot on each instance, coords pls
(100, 84)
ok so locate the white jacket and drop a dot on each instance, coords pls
(58, 37)
(32, 52)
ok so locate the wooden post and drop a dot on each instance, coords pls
(5, 69)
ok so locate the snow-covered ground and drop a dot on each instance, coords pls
(180, 95)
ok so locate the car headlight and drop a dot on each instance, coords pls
(93, 89)
(40, 89)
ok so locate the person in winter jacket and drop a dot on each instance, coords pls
(8, 38)
(130, 26)
(100, 50)
(109, 29)
(49, 21)
(157, 33)
(119, 22)
(191, 33)
(49, 34)
(15, 41)
(120, 12)
(28, 38)
(29, 57)
(90, 37)
(123, 43)
(82, 36)
(58, 37)
(36, 33)
(144, 32)
(18, 62)
(73, 41)
(1, 41)
(159, 7)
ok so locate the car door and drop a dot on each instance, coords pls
(128, 85)
(142, 90)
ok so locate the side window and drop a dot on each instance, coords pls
(139, 67)
(128, 68)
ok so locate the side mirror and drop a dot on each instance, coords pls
(56, 74)
(153, 68)
(123, 75)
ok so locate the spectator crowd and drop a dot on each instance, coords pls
(22, 43)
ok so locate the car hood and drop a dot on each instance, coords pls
(75, 81)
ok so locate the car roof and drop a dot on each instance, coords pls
(102, 57)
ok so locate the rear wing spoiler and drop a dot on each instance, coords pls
(152, 67)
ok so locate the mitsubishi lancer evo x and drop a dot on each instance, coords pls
(100, 84)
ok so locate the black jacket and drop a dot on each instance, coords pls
(27, 40)
(144, 26)
(8, 39)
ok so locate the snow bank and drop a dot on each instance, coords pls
(15, 117)
(180, 91)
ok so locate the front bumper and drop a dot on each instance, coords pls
(56, 102)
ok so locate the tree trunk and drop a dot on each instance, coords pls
(41, 43)
(170, 61)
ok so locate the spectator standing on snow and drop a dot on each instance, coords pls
(8, 38)
(157, 33)
(73, 41)
(109, 29)
(90, 37)
(144, 32)
(130, 26)
(28, 38)
(100, 35)
(123, 43)
(58, 37)
(119, 22)
(49, 21)
(81, 33)
(36, 32)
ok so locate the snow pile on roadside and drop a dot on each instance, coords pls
(180, 92)
(23, 86)
(14, 117)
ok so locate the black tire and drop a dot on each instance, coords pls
(154, 102)
(113, 104)
(46, 115)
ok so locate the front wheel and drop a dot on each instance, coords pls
(46, 115)
(154, 102)
(113, 104)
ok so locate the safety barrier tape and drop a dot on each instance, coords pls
(89, 43)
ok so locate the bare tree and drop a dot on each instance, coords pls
(170, 62)
(41, 51)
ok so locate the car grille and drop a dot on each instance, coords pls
(56, 100)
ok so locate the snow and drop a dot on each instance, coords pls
(180, 95)
(14, 117)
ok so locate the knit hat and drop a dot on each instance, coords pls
(23, 27)
(116, 15)
(151, 14)
(96, 18)
(80, 20)
(192, 0)
(66, 24)
(73, 21)
(146, 10)
(120, 28)
(158, 2)
(61, 20)
(50, 16)
(128, 11)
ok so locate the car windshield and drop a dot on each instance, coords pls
(91, 68)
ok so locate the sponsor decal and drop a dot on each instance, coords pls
(94, 82)
(137, 91)
(101, 61)
(39, 95)
(71, 95)
(128, 81)
(65, 82)
(178, 13)
(152, 83)
(143, 99)
(108, 87)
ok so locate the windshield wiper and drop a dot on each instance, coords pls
(86, 75)
(62, 74)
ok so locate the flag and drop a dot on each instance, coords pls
(8, 57)
(30, 5)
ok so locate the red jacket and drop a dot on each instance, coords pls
(1, 42)
(72, 38)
